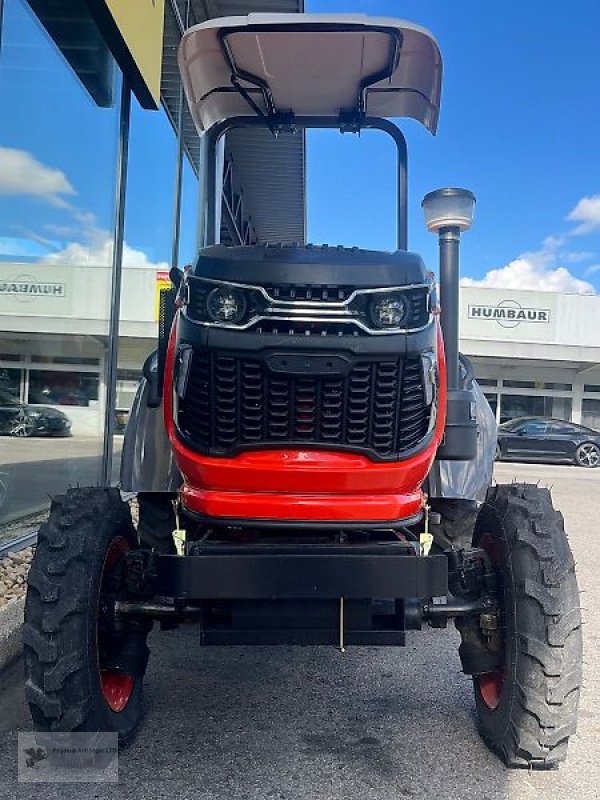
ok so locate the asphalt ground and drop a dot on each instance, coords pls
(311, 723)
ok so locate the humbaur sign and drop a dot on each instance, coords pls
(26, 287)
(508, 313)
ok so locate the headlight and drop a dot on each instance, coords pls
(226, 304)
(388, 310)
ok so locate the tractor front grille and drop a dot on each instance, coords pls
(234, 402)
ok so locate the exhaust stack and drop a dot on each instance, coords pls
(449, 212)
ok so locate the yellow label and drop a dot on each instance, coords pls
(163, 283)
(425, 540)
(179, 540)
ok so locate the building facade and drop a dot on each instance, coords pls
(534, 353)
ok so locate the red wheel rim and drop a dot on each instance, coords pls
(116, 686)
(490, 688)
(490, 685)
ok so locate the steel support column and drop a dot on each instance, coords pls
(115, 290)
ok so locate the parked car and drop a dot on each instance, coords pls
(22, 420)
(541, 439)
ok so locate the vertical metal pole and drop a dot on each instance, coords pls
(179, 164)
(178, 182)
(209, 178)
(402, 210)
(115, 292)
(449, 240)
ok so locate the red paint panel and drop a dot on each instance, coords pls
(302, 484)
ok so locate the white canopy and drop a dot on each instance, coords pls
(311, 65)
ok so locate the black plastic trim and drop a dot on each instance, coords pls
(302, 525)
(355, 571)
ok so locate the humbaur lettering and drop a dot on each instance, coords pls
(29, 288)
(509, 313)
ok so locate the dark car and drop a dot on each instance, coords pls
(20, 419)
(541, 439)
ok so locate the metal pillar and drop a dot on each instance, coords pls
(115, 291)
(179, 164)
(449, 241)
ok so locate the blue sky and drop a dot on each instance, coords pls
(520, 126)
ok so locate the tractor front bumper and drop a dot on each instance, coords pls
(367, 594)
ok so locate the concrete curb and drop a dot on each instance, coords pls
(11, 624)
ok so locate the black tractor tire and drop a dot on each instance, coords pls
(74, 675)
(457, 521)
(528, 709)
(156, 521)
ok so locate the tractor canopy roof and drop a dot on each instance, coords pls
(320, 65)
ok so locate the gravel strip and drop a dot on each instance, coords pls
(13, 575)
(12, 530)
(15, 566)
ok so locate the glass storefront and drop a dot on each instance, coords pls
(591, 413)
(58, 153)
(517, 405)
(59, 149)
(189, 215)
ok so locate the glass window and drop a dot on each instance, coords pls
(591, 387)
(189, 215)
(563, 428)
(10, 381)
(487, 381)
(63, 388)
(147, 251)
(561, 387)
(532, 427)
(590, 414)
(56, 222)
(493, 401)
(519, 384)
(77, 360)
(127, 383)
(515, 405)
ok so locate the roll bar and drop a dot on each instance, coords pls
(208, 233)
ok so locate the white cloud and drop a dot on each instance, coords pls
(22, 174)
(14, 247)
(593, 269)
(587, 213)
(99, 252)
(575, 256)
(538, 269)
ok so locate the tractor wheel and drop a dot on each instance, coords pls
(457, 521)
(527, 709)
(81, 672)
(157, 520)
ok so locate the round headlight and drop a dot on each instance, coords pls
(226, 304)
(388, 310)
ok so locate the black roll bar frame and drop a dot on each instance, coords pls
(285, 122)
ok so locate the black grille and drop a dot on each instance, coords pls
(232, 403)
(313, 292)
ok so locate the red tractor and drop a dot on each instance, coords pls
(312, 456)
